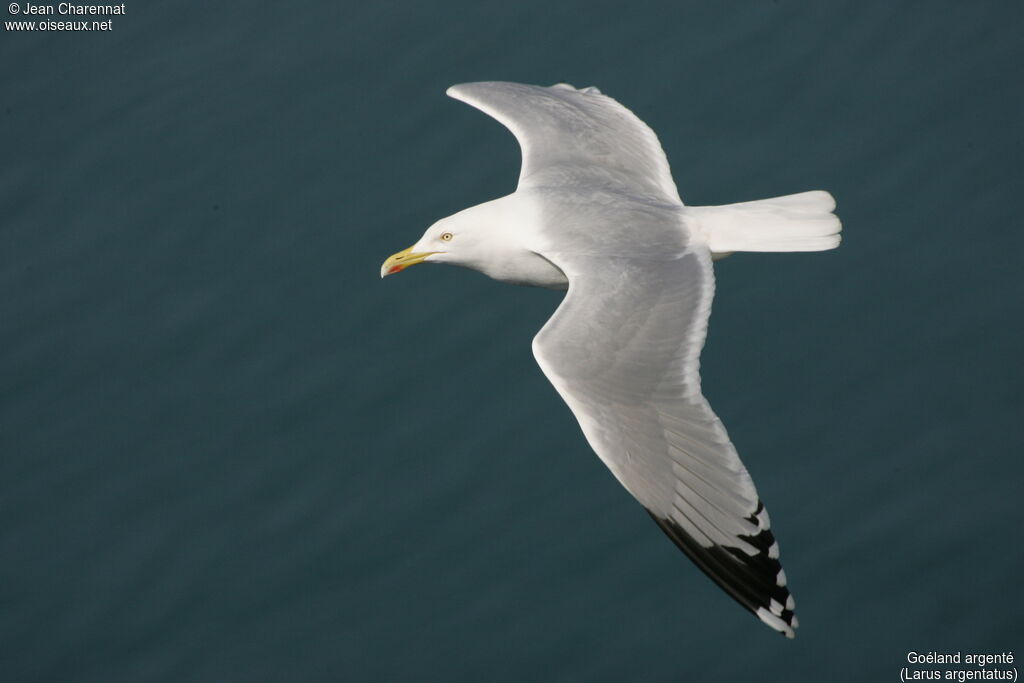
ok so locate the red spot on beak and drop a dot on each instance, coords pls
(395, 269)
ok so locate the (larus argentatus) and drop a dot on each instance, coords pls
(596, 212)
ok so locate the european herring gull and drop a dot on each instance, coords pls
(596, 212)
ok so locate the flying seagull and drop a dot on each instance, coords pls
(596, 212)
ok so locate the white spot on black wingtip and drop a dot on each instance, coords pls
(762, 516)
(777, 623)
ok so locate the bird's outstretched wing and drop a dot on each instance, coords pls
(623, 351)
(575, 137)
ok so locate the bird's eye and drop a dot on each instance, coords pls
(446, 236)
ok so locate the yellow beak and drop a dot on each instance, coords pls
(402, 260)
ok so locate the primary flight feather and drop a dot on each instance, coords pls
(596, 212)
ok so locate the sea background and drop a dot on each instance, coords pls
(230, 452)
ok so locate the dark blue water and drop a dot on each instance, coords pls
(229, 452)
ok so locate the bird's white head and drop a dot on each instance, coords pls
(479, 237)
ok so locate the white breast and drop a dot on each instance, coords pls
(528, 268)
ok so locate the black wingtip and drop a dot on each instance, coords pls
(755, 581)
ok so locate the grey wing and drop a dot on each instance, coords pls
(623, 352)
(575, 137)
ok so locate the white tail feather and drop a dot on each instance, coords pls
(796, 222)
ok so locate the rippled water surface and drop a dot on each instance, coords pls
(229, 452)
